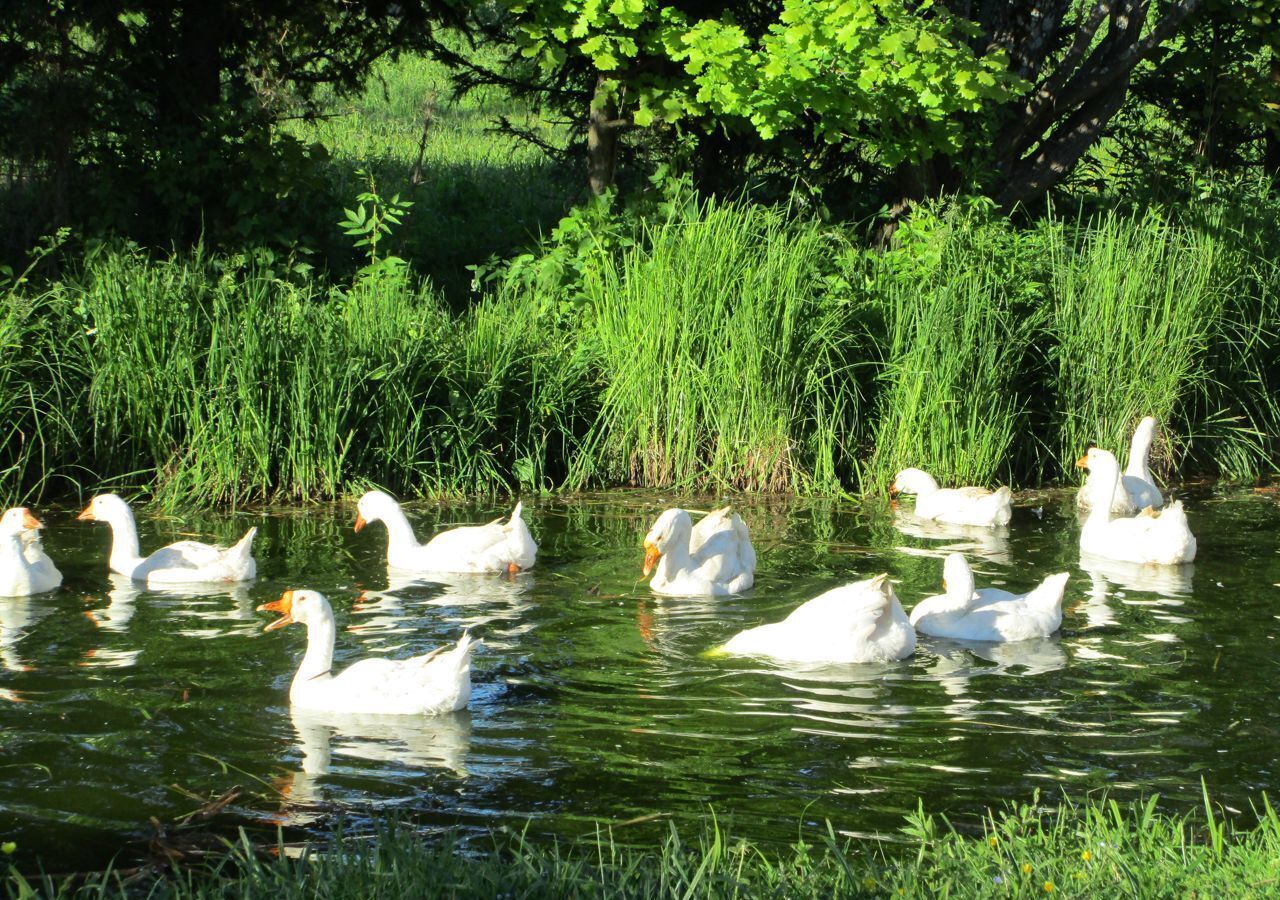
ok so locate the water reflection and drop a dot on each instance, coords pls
(399, 745)
(1166, 581)
(17, 616)
(492, 605)
(989, 543)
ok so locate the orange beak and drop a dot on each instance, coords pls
(1083, 462)
(512, 569)
(893, 490)
(360, 522)
(651, 555)
(28, 520)
(284, 606)
(87, 515)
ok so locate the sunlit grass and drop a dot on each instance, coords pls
(722, 360)
(1090, 850)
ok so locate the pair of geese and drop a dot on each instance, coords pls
(1126, 518)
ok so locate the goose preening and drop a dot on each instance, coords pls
(436, 682)
(713, 559)
(861, 622)
(954, 506)
(183, 562)
(1137, 489)
(990, 614)
(25, 569)
(472, 549)
(1161, 537)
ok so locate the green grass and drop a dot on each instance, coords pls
(477, 192)
(1092, 850)
(958, 334)
(722, 360)
(719, 345)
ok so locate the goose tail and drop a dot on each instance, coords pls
(1047, 597)
(243, 548)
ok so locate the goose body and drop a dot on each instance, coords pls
(714, 559)
(861, 622)
(472, 549)
(183, 562)
(1163, 538)
(25, 569)
(434, 683)
(954, 506)
(989, 614)
(1137, 489)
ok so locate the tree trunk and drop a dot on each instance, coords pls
(602, 139)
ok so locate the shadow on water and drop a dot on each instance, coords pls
(595, 701)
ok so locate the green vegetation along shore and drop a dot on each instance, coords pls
(1100, 849)
(710, 344)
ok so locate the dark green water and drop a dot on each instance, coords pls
(592, 701)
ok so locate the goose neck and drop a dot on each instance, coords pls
(318, 660)
(125, 549)
(399, 532)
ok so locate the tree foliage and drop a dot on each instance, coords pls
(156, 117)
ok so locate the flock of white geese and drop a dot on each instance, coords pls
(1127, 520)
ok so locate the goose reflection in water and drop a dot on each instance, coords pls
(988, 543)
(402, 745)
(1170, 582)
(494, 602)
(956, 663)
(17, 615)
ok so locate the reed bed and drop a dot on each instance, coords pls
(720, 345)
(721, 360)
(1095, 849)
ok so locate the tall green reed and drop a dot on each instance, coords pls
(721, 361)
(1139, 304)
(959, 321)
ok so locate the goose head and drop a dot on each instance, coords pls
(374, 506)
(912, 481)
(17, 520)
(302, 607)
(1105, 470)
(670, 526)
(105, 508)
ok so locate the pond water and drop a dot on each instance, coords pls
(593, 702)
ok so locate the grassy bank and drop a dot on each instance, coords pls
(715, 345)
(1099, 849)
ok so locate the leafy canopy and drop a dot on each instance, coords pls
(895, 75)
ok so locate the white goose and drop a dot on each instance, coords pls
(1163, 538)
(954, 506)
(183, 562)
(24, 567)
(724, 562)
(437, 682)
(472, 549)
(989, 614)
(857, 623)
(1137, 489)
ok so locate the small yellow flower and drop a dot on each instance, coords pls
(1086, 855)
(1026, 868)
(868, 882)
(902, 892)
(8, 847)
(992, 840)
(1048, 887)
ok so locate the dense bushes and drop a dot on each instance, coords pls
(715, 345)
